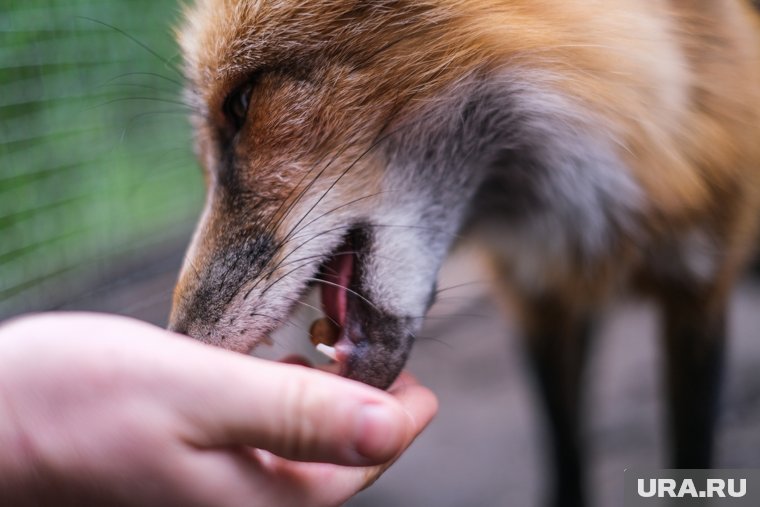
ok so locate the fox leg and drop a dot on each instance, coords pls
(694, 322)
(556, 340)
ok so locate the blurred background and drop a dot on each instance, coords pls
(97, 170)
(98, 195)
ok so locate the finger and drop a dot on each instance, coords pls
(421, 405)
(292, 411)
(275, 481)
(220, 398)
(344, 483)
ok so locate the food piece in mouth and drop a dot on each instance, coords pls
(324, 335)
(324, 332)
(328, 333)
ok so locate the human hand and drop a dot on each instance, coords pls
(107, 411)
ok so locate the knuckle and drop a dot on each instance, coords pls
(300, 419)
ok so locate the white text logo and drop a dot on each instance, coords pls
(670, 488)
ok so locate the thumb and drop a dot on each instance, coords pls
(292, 411)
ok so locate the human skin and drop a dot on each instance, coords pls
(106, 411)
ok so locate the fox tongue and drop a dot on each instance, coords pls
(337, 276)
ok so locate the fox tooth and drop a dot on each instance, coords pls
(328, 351)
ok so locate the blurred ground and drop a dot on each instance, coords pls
(484, 447)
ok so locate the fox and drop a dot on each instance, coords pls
(590, 147)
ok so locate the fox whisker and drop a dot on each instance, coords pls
(134, 39)
(179, 84)
(338, 208)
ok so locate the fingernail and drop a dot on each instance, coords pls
(378, 433)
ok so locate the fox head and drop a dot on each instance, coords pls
(326, 164)
(344, 143)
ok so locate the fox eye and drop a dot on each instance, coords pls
(237, 104)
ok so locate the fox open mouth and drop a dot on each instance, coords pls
(371, 345)
(334, 279)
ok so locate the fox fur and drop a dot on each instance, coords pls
(590, 145)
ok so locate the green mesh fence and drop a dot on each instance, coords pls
(95, 159)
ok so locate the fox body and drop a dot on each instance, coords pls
(589, 145)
